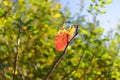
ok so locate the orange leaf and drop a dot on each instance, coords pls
(63, 36)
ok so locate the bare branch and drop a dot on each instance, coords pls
(61, 55)
(1, 1)
(5, 13)
(84, 73)
(75, 68)
(16, 54)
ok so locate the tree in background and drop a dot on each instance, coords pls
(34, 23)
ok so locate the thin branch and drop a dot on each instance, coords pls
(6, 12)
(16, 54)
(75, 68)
(1, 1)
(87, 68)
(61, 55)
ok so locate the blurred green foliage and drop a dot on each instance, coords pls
(89, 57)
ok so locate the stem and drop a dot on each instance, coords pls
(6, 12)
(1, 1)
(75, 68)
(61, 55)
(16, 55)
(84, 73)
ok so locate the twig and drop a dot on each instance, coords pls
(61, 55)
(75, 68)
(5, 13)
(1, 1)
(16, 54)
(87, 68)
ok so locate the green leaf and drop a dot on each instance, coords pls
(1, 12)
(93, 1)
(108, 1)
(91, 6)
(101, 0)
(103, 12)
(84, 32)
(99, 30)
(97, 8)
